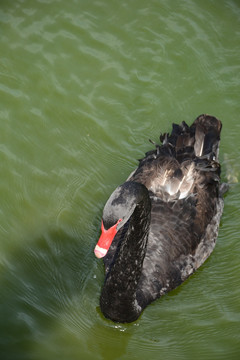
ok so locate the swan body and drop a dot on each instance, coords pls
(162, 223)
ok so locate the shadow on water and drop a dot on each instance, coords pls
(39, 282)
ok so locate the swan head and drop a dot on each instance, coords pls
(117, 211)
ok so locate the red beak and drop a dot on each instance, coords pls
(105, 240)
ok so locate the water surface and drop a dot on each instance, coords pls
(83, 86)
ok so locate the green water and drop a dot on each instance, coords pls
(83, 86)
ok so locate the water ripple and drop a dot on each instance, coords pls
(83, 87)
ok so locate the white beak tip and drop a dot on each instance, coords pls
(99, 252)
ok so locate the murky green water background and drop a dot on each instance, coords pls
(83, 86)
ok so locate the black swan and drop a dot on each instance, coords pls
(162, 223)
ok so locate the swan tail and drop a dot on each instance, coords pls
(207, 136)
(201, 139)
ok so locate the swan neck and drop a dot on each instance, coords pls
(118, 298)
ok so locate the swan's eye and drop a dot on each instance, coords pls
(118, 222)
